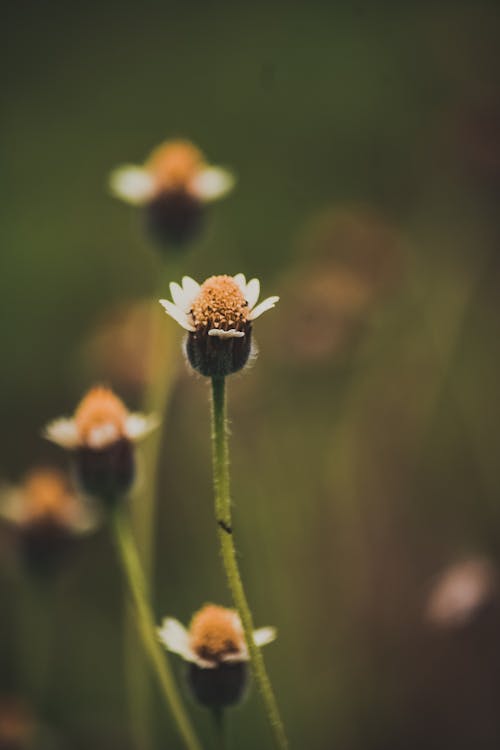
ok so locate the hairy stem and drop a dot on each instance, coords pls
(224, 527)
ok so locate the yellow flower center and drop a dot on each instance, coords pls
(46, 494)
(174, 164)
(219, 304)
(215, 632)
(99, 409)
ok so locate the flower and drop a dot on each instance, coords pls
(18, 725)
(461, 592)
(47, 514)
(218, 316)
(215, 647)
(102, 433)
(174, 184)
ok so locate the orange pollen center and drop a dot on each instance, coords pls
(215, 632)
(219, 304)
(174, 164)
(46, 494)
(100, 408)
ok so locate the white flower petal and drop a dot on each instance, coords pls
(178, 295)
(236, 656)
(12, 505)
(138, 426)
(102, 436)
(132, 184)
(175, 638)
(191, 290)
(177, 314)
(221, 334)
(241, 281)
(213, 183)
(263, 307)
(252, 293)
(82, 517)
(263, 636)
(63, 432)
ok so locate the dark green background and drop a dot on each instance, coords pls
(360, 468)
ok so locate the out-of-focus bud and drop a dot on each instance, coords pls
(173, 186)
(17, 725)
(47, 516)
(461, 592)
(101, 435)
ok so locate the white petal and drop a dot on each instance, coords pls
(63, 432)
(241, 281)
(178, 315)
(175, 638)
(178, 295)
(252, 293)
(213, 183)
(221, 334)
(138, 426)
(82, 517)
(236, 656)
(191, 290)
(102, 436)
(263, 307)
(12, 505)
(263, 636)
(132, 184)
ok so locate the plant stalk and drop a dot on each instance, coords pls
(147, 628)
(220, 455)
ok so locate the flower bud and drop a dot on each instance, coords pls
(218, 316)
(101, 435)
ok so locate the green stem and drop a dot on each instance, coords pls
(220, 456)
(147, 628)
(220, 728)
(162, 373)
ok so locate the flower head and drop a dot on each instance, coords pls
(173, 184)
(218, 315)
(47, 514)
(215, 647)
(102, 433)
(100, 420)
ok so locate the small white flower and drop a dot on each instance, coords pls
(215, 636)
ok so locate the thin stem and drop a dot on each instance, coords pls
(162, 374)
(220, 454)
(220, 728)
(147, 628)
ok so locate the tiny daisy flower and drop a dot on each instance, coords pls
(218, 316)
(47, 515)
(173, 185)
(102, 434)
(214, 645)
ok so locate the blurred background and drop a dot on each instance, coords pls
(365, 442)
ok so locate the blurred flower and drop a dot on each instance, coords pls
(47, 514)
(351, 258)
(218, 316)
(215, 647)
(127, 345)
(17, 725)
(102, 434)
(461, 592)
(174, 185)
